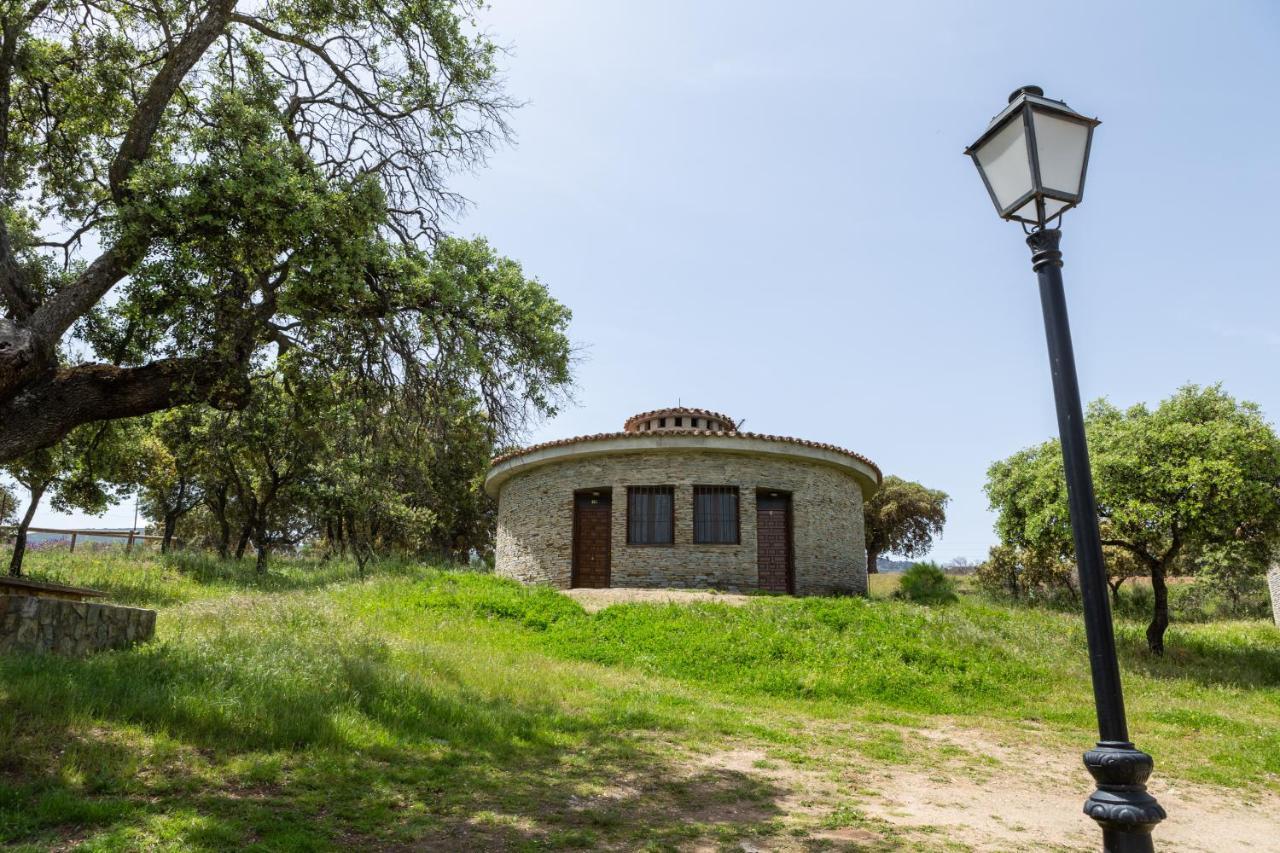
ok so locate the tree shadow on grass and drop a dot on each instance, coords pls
(291, 575)
(1210, 661)
(127, 747)
(147, 581)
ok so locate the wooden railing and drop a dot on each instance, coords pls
(130, 535)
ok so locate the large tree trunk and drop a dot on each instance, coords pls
(1160, 610)
(170, 524)
(20, 538)
(260, 539)
(872, 558)
(243, 544)
(224, 539)
(216, 500)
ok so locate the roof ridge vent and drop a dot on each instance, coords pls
(679, 418)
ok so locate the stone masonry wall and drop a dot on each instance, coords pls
(30, 623)
(535, 521)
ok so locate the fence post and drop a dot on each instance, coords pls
(128, 548)
(73, 542)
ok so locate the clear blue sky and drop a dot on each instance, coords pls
(763, 209)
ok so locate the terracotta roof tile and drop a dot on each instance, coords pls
(677, 410)
(604, 436)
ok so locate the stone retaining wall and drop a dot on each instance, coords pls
(535, 521)
(31, 623)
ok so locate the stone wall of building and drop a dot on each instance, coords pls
(31, 623)
(535, 521)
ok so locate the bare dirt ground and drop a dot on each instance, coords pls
(1026, 803)
(598, 599)
(983, 791)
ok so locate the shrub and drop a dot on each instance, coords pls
(926, 583)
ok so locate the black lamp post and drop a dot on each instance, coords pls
(1032, 159)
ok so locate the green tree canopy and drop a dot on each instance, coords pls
(246, 179)
(903, 517)
(88, 470)
(1199, 471)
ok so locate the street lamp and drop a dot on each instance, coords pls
(1032, 159)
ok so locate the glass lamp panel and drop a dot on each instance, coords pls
(1027, 211)
(1004, 161)
(1052, 207)
(1060, 146)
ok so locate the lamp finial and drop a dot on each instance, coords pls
(1026, 90)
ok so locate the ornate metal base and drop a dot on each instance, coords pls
(1121, 805)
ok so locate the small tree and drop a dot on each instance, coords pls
(1201, 470)
(927, 583)
(1235, 571)
(265, 451)
(903, 517)
(87, 471)
(170, 454)
(999, 573)
(1027, 573)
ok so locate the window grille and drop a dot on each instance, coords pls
(650, 515)
(715, 515)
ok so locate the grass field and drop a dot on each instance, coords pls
(429, 709)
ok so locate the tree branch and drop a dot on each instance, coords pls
(1152, 562)
(49, 408)
(137, 139)
(20, 300)
(52, 319)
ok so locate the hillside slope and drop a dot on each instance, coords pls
(425, 709)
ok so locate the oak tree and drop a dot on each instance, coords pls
(189, 187)
(903, 517)
(171, 450)
(89, 470)
(1200, 471)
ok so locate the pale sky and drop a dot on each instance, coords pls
(764, 209)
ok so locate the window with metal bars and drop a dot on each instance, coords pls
(715, 515)
(651, 515)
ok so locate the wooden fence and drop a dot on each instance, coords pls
(130, 535)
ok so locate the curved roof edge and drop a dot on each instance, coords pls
(508, 465)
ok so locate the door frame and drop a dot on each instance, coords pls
(789, 525)
(605, 492)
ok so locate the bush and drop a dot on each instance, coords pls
(926, 583)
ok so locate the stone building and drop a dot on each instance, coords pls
(681, 498)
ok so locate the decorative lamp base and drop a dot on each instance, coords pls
(1121, 804)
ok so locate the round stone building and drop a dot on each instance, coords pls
(681, 498)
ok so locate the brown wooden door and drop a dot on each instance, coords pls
(773, 542)
(592, 534)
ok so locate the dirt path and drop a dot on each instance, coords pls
(969, 790)
(598, 599)
(1024, 801)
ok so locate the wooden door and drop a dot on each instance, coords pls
(592, 535)
(773, 542)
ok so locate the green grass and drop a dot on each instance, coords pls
(420, 707)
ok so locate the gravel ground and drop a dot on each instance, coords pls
(598, 599)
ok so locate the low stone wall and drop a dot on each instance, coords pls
(31, 623)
